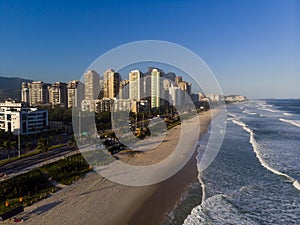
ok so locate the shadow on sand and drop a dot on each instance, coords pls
(44, 208)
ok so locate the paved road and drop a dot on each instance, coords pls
(35, 161)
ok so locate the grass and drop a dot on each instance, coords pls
(67, 170)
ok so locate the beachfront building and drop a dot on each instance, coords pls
(176, 96)
(124, 89)
(123, 105)
(214, 97)
(178, 79)
(197, 97)
(111, 83)
(185, 86)
(156, 88)
(98, 105)
(19, 118)
(135, 77)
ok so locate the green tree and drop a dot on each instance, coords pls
(72, 141)
(28, 146)
(42, 145)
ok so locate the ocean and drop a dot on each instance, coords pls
(255, 177)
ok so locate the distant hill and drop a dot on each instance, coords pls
(10, 87)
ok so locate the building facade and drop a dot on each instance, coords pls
(75, 93)
(58, 94)
(111, 83)
(124, 89)
(135, 77)
(19, 118)
(91, 85)
(176, 96)
(38, 93)
(25, 93)
(185, 86)
(156, 88)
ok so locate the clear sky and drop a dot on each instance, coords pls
(253, 47)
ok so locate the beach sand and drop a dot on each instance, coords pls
(95, 200)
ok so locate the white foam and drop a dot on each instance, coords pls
(287, 114)
(232, 115)
(202, 186)
(293, 122)
(249, 113)
(260, 158)
(269, 110)
(217, 210)
(296, 184)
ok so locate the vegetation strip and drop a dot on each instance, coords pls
(28, 188)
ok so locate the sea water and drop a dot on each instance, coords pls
(255, 177)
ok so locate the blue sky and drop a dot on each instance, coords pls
(253, 47)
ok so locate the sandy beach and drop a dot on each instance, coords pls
(97, 201)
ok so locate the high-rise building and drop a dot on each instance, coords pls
(91, 85)
(185, 86)
(38, 93)
(25, 93)
(156, 88)
(75, 93)
(178, 79)
(135, 84)
(111, 83)
(58, 94)
(146, 87)
(176, 96)
(124, 89)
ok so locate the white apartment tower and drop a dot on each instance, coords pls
(135, 77)
(91, 85)
(25, 93)
(155, 88)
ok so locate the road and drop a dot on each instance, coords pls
(26, 164)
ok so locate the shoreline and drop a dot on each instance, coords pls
(96, 200)
(166, 197)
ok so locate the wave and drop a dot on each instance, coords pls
(260, 158)
(263, 104)
(232, 115)
(269, 110)
(287, 114)
(249, 113)
(217, 210)
(293, 122)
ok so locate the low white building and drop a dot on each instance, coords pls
(18, 117)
